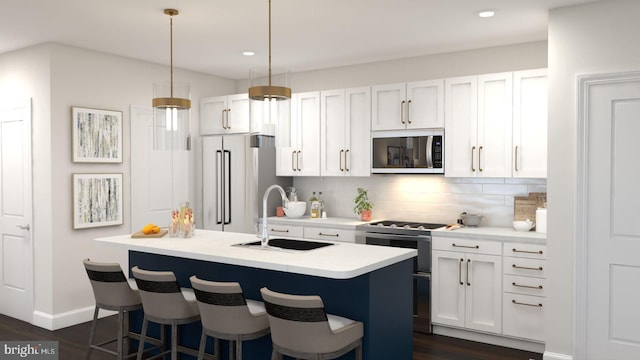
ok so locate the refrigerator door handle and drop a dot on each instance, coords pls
(219, 187)
(227, 192)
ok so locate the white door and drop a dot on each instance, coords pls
(237, 212)
(483, 292)
(461, 121)
(213, 115)
(358, 132)
(212, 168)
(16, 247)
(332, 133)
(425, 104)
(494, 125)
(238, 114)
(448, 288)
(308, 122)
(609, 229)
(388, 106)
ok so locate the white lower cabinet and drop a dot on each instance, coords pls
(523, 316)
(330, 234)
(467, 285)
(285, 230)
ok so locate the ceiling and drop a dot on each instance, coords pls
(209, 35)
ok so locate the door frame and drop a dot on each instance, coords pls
(585, 82)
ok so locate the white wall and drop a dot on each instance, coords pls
(63, 77)
(594, 38)
(424, 197)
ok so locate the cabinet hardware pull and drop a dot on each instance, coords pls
(539, 287)
(525, 304)
(408, 111)
(293, 166)
(346, 153)
(539, 268)
(341, 152)
(222, 118)
(278, 230)
(465, 246)
(479, 156)
(527, 252)
(298, 159)
(468, 262)
(473, 151)
(460, 272)
(228, 123)
(323, 234)
(401, 112)
(516, 158)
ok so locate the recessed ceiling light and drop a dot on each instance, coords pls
(486, 13)
(248, 53)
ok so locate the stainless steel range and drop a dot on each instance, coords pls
(412, 235)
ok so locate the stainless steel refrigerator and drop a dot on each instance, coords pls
(236, 170)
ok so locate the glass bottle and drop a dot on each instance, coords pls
(315, 206)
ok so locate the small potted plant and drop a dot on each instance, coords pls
(363, 205)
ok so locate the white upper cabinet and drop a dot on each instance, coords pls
(224, 115)
(478, 126)
(530, 124)
(413, 105)
(345, 132)
(298, 151)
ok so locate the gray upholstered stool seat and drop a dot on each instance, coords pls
(112, 291)
(165, 303)
(300, 328)
(227, 315)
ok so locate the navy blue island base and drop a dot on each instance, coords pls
(381, 299)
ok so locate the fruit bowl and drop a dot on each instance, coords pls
(295, 209)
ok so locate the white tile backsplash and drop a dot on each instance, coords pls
(429, 198)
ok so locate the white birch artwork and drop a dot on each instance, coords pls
(97, 135)
(97, 200)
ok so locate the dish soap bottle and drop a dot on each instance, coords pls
(315, 206)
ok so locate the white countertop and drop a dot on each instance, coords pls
(329, 222)
(340, 261)
(492, 233)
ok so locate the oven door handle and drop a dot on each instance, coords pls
(397, 237)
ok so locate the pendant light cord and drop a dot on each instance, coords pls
(171, 50)
(269, 43)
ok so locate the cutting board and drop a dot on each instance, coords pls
(141, 235)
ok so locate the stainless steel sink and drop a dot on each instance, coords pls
(288, 244)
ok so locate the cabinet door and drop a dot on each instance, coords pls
(461, 119)
(308, 126)
(238, 114)
(287, 141)
(483, 281)
(333, 123)
(494, 125)
(213, 115)
(425, 104)
(212, 183)
(524, 316)
(530, 124)
(237, 210)
(448, 288)
(388, 107)
(358, 132)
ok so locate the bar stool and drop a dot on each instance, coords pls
(165, 303)
(227, 315)
(300, 328)
(112, 291)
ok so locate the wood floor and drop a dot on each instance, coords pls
(73, 342)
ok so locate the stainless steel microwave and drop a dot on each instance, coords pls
(407, 152)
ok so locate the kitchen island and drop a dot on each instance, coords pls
(365, 283)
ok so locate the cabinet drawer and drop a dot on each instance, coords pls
(524, 285)
(532, 251)
(523, 266)
(523, 316)
(471, 246)
(320, 233)
(285, 230)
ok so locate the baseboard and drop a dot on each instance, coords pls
(490, 339)
(555, 356)
(65, 319)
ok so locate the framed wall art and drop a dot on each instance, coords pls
(97, 135)
(97, 200)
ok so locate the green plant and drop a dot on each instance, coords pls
(362, 202)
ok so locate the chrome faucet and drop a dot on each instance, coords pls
(285, 203)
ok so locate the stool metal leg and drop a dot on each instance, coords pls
(203, 344)
(238, 349)
(92, 333)
(120, 349)
(145, 323)
(359, 352)
(174, 341)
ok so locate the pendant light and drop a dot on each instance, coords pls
(171, 104)
(270, 94)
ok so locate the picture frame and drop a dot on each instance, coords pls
(96, 135)
(97, 200)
